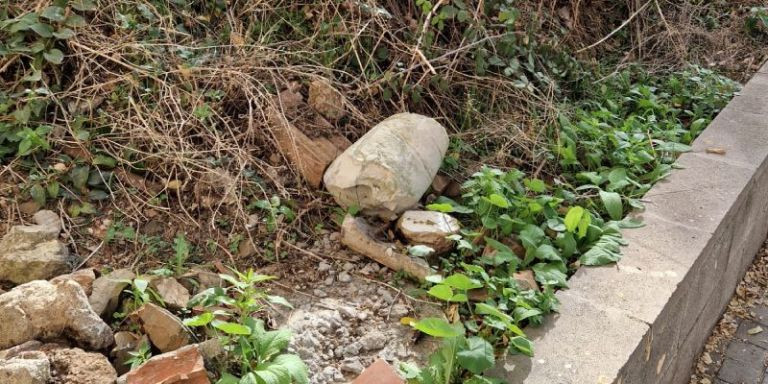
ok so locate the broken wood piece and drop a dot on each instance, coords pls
(356, 234)
(310, 156)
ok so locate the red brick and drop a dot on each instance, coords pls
(380, 372)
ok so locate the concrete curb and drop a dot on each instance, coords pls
(645, 319)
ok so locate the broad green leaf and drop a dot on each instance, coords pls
(294, 366)
(461, 282)
(54, 56)
(279, 300)
(548, 253)
(199, 320)
(498, 200)
(273, 342)
(522, 345)
(573, 217)
(104, 160)
(38, 194)
(444, 207)
(436, 327)
(75, 20)
(83, 5)
(53, 13)
(53, 189)
(228, 378)
(613, 204)
(442, 292)
(79, 176)
(42, 29)
(536, 185)
(550, 274)
(672, 147)
(583, 227)
(231, 328)
(478, 355)
(64, 33)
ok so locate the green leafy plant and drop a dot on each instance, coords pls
(140, 356)
(459, 359)
(757, 21)
(181, 249)
(275, 212)
(255, 354)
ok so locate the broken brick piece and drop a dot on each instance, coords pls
(380, 372)
(182, 366)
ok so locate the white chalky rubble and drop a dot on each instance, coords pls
(388, 170)
(429, 228)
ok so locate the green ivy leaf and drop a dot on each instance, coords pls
(551, 274)
(83, 5)
(42, 29)
(498, 200)
(519, 344)
(37, 192)
(231, 328)
(53, 13)
(613, 204)
(64, 33)
(54, 56)
(441, 291)
(461, 282)
(437, 327)
(199, 320)
(478, 355)
(573, 217)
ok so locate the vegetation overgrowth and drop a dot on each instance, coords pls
(121, 112)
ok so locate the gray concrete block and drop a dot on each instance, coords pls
(742, 135)
(640, 284)
(645, 319)
(701, 194)
(679, 243)
(583, 344)
(753, 97)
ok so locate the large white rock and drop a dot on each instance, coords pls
(390, 167)
(429, 228)
(43, 310)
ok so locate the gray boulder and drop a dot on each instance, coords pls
(43, 310)
(33, 252)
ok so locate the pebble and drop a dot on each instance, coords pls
(373, 340)
(344, 277)
(323, 267)
(352, 366)
(348, 267)
(319, 293)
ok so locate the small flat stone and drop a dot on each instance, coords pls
(165, 330)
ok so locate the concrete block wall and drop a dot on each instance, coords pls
(645, 319)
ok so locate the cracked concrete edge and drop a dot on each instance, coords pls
(645, 319)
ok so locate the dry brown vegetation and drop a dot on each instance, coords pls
(180, 95)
